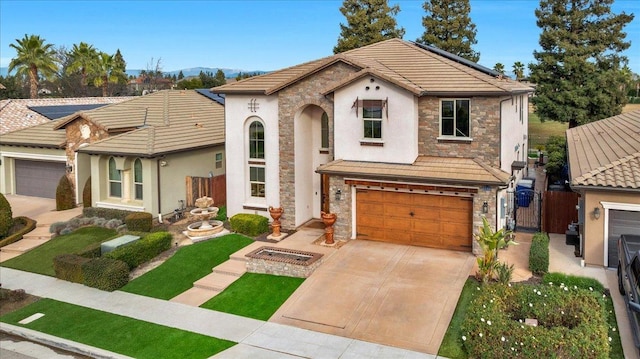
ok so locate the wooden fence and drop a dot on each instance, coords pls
(214, 187)
(559, 211)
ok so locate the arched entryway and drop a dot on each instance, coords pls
(311, 133)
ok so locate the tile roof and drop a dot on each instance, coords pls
(16, 114)
(162, 122)
(606, 153)
(419, 69)
(424, 169)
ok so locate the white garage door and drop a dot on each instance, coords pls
(38, 178)
(621, 222)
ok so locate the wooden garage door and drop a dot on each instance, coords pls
(38, 178)
(416, 219)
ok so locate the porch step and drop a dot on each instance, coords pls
(195, 296)
(23, 245)
(232, 267)
(215, 281)
(240, 255)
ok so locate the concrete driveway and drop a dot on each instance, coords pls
(30, 206)
(396, 295)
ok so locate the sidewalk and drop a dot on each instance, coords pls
(255, 338)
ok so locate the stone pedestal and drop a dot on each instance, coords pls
(328, 219)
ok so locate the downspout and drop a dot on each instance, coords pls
(159, 203)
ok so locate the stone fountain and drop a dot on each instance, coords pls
(205, 228)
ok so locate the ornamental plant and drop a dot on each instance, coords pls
(490, 242)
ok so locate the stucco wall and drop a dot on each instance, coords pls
(593, 231)
(7, 166)
(515, 121)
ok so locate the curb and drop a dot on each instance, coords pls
(60, 343)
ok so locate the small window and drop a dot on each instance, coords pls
(256, 140)
(372, 116)
(137, 178)
(257, 181)
(324, 123)
(115, 179)
(219, 160)
(454, 118)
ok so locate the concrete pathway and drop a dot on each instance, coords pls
(256, 338)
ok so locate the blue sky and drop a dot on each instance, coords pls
(256, 35)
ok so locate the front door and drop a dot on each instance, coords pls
(324, 184)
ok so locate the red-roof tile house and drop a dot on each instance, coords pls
(405, 143)
(604, 168)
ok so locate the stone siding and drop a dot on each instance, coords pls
(342, 207)
(291, 101)
(485, 131)
(484, 195)
(263, 266)
(75, 140)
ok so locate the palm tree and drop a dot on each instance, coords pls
(84, 58)
(105, 73)
(498, 67)
(33, 55)
(518, 70)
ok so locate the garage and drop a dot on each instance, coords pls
(436, 221)
(38, 178)
(620, 222)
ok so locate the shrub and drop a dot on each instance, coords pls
(108, 213)
(222, 214)
(571, 323)
(142, 250)
(6, 216)
(139, 221)
(539, 254)
(17, 295)
(249, 224)
(69, 267)
(56, 227)
(105, 274)
(91, 251)
(504, 272)
(490, 242)
(66, 230)
(86, 193)
(65, 197)
(28, 225)
(113, 223)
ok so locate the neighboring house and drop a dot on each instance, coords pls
(604, 168)
(16, 114)
(405, 143)
(137, 152)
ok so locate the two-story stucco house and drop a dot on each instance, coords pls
(405, 143)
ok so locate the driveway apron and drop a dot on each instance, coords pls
(391, 294)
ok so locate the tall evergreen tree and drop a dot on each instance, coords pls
(221, 79)
(33, 56)
(180, 75)
(120, 74)
(578, 72)
(447, 26)
(518, 70)
(368, 22)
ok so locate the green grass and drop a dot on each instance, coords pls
(539, 132)
(452, 346)
(189, 264)
(40, 259)
(254, 295)
(116, 333)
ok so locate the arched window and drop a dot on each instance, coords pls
(137, 178)
(115, 179)
(256, 159)
(256, 140)
(324, 126)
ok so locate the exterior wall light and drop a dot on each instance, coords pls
(596, 213)
(163, 163)
(338, 194)
(69, 168)
(485, 207)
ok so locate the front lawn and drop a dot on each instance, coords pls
(575, 317)
(189, 264)
(116, 333)
(40, 259)
(254, 295)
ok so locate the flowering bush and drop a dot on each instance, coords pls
(571, 322)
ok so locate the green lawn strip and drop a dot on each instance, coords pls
(539, 131)
(189, 264)
(40, 259)
(616, 343)
(254, 295)
(116, 333)
(452, 346)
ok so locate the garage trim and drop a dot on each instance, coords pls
(34, 156)
(615, 206)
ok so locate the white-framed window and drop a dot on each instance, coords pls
(372, 119)
(219, 159)
(324, 130)
(115, 179)
(137, 179)
(257, 181)
(455, 118)
(256, 162)
(256, 140)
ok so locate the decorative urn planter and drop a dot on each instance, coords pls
(276, 213)
(328, 219)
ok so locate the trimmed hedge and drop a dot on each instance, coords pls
(105, 274)
(69, 267)
(6, 216)
(86, 193)
(572, 281)
(139, 221)
(107, 213)
(251, 225)
(572, 323)
(92, 251)
(142, 250)
(28, 226)
(65, 196)
(539, 254)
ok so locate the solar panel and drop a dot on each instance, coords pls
(458, 59)
(219, 98)
(59, 111)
